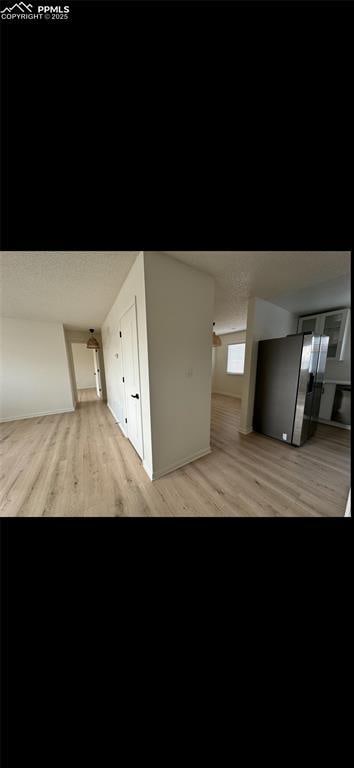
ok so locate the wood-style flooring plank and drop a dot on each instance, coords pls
(80, 464)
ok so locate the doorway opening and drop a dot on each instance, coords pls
(87, 372)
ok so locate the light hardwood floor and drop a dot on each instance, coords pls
(80, 464)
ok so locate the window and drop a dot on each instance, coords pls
(235, 358)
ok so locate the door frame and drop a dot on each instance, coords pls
(73, 370)
(127, 309)
(97, 364)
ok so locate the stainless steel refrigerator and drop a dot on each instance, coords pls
(289, 381)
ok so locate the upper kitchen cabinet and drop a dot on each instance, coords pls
(334, 324)
(308, 324)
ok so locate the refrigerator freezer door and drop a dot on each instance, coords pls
(278, 368)
(304, 393)
(311, 377)
(319, 379)
(309, 424)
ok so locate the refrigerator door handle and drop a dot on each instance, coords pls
(300, 422)
(310, 384)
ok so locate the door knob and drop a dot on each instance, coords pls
(137, 396)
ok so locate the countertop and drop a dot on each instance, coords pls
(335, 381)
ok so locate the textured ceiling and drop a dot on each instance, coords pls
(76, 288)
(317, 298)
(266, 274)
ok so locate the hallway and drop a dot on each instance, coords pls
(88, 396)
(80, 464)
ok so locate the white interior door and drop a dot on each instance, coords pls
(131, 375)
(96, 361)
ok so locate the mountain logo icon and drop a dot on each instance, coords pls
(22, 7)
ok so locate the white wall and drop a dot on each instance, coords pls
(80, 337)
(132, 289)
(180, 305)
(83, 366)
(227, 383)
(34, 377)
(264, 321)
(174, 313)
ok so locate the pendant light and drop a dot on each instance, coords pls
(92, 342)
(216, 339)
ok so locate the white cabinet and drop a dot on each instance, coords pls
(308, 324)
(334, 324)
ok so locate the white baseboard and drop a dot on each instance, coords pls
(36, 415)
(245, 431)
(112, 412)
(122, 429)
(226, 394)
(148, 470)
(178, 464)
(117, 420)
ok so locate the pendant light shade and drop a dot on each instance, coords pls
(92, 342)
(216, 339)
